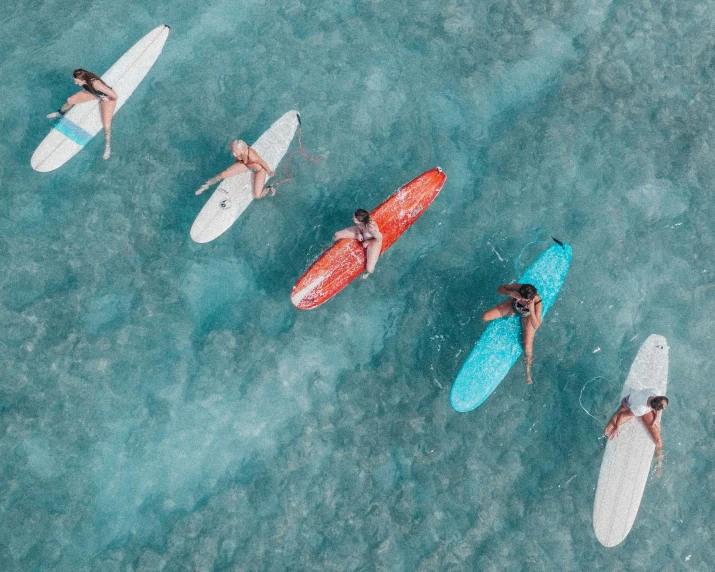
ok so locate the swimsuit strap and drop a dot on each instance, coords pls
(520, 308)
(89, 86)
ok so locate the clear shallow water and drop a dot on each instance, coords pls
(162, 404)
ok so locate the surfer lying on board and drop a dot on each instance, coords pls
(246, 160)
(644, 404)
(526, 303)
(368, 234)
(93, 88)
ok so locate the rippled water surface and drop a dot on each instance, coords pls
(163, 406)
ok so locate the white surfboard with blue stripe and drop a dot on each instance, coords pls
(84, 121)
(500, 345)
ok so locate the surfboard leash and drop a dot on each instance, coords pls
(538, 231)
(580, 396)
(300, 151)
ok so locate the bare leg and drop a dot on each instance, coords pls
(350, 232)
(107, 106)
(80, 97)
(373, 253)
(259, 179)
(527, 341)
(73, 100)
(232, 171)
(622, 415)
(501, 310)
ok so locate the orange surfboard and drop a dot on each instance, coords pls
(345, 260)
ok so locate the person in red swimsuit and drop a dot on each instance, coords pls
(246, 160)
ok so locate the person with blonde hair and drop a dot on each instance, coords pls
(92, 88)
(246, 160)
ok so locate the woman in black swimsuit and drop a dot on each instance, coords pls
(524, 302)
(92, 88)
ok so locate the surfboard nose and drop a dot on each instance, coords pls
(658, 341)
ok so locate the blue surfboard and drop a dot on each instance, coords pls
(500, 345)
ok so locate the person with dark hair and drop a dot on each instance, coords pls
(246, 160)
(644, 403)
(92, 88)
(524, 302)
(368, 234)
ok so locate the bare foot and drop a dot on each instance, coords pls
(53, 115)
(107, 152)
(365, 275)
(201, 189)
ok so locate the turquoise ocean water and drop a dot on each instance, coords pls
(163, 406)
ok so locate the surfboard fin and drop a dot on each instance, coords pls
(557, 241)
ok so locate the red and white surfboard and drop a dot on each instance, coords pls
(345, 260)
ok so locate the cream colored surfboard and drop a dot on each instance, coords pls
(234, 194)
(627, 459)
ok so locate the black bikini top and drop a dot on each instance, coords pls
(95, 92)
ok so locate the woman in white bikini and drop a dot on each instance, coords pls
(524, 302)
(645, 404)
(368, 234)
(246, 160)
(92, 88)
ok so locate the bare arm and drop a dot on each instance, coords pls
(376, 234)
(235, 169)
(650, 420)
(535, 307)
(509, 290)
(258, 159)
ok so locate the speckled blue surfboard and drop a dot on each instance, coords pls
(500, 345)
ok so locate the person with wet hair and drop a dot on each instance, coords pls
(368, 234)
(246, 160)
(92, 88)
(644, 403)
(525, 302)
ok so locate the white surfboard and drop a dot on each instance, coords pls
(627, 459)
(234, 194)
(84, 121)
